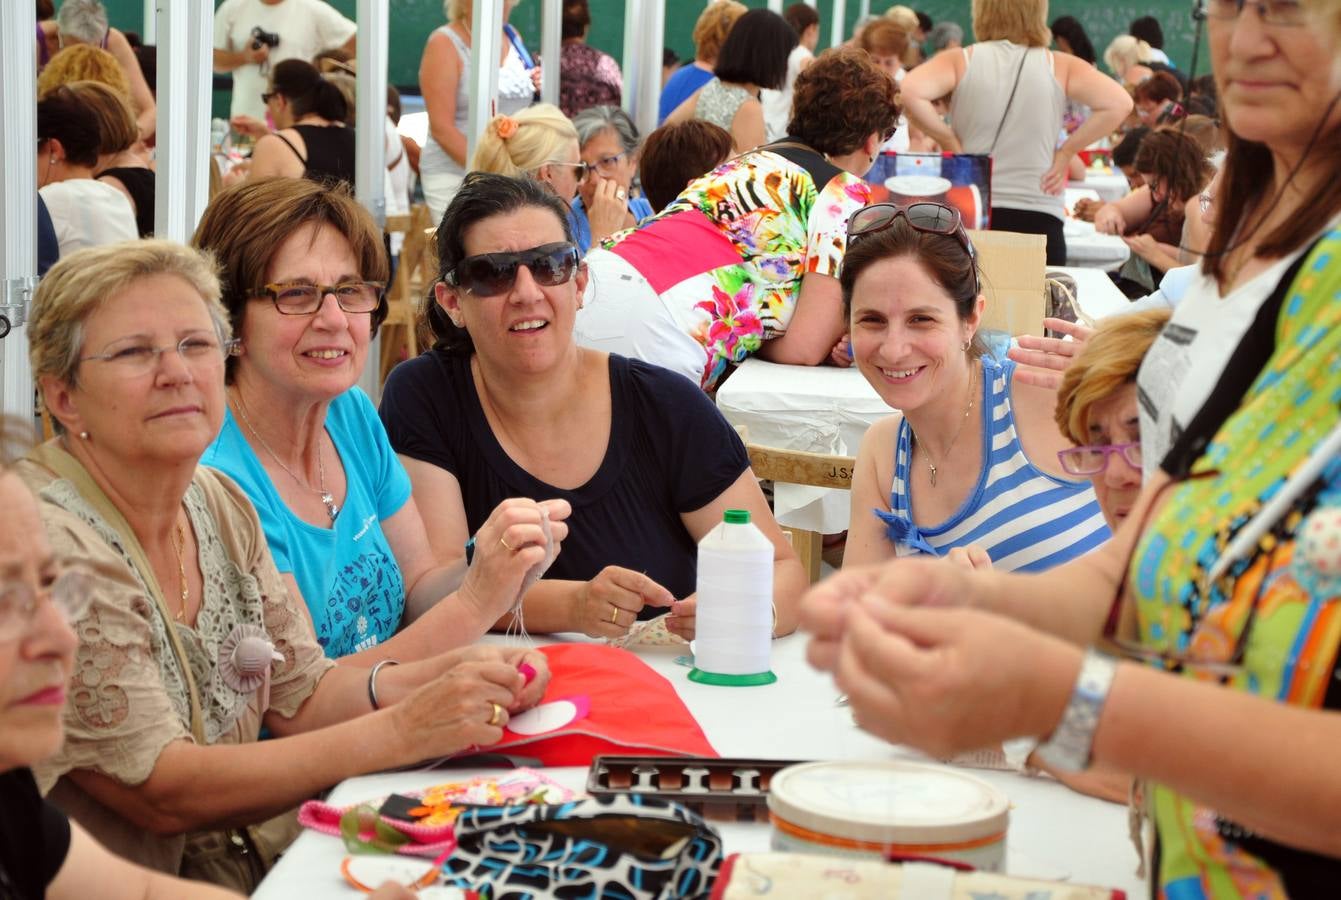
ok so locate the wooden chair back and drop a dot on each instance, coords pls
(799, 467)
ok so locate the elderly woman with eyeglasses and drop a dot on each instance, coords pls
(193, 641)
(1222, 587)
(506, 404)
(970, 467)
(302, 285)
(609, 144)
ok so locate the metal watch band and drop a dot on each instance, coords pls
(1071, 744)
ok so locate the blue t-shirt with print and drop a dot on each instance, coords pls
(347, 573)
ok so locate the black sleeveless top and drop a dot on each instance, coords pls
(330, 153)
(139, 184)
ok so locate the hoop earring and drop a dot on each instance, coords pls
(966, 346)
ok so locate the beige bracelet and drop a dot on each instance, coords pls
(372, 680)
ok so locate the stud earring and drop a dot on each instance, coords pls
(83, 435)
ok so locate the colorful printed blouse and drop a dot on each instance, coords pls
(1286, 590)
(587, 77)
(728, 254)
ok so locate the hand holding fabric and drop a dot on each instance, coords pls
(465, 706)
(513, 548)
(607, 605)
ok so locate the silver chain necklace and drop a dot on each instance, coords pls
(327, 498)
(926, 451)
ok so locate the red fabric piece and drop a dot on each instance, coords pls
(633, 710)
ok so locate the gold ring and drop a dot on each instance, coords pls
(496, 718)
(614, 614)
(510, 548)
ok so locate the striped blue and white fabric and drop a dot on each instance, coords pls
(1026, 519)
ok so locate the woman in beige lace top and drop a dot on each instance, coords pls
(194, 643)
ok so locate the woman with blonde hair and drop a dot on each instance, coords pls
(444, 77)
(84, 22)
(83, 62)
(542, 143)
(1010, 95)
(1126, 57)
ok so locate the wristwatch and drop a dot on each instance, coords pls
(1070, 747)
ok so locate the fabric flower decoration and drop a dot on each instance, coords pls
(245, 660)
(505, 127)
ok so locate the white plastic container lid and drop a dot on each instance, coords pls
(889, 802)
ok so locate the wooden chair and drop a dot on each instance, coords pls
(800, 467)
(417, 269)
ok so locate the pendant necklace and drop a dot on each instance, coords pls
(327, 498)
(931, 465)
(179, 544)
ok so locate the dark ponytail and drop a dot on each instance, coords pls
(308, 93)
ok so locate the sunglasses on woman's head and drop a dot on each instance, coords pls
(926, 217)
(491, 274)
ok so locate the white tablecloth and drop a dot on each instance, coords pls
(1086, 247)
(1109, 186)
(1054, 832)
(820, 409)
(1095, 291)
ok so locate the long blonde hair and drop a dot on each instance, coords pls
(519, 145)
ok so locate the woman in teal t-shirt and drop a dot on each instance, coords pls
(303, 272)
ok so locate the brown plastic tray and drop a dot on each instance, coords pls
(732, 790)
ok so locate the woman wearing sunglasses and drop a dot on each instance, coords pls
(304, 293)
(1223, 586)
(192, 642)
(541, 143)
(506, 404)
(746, 259)
(971, 465)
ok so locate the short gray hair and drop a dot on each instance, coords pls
(78, 284)
(943, 34)
(84, 21)
(596, 119)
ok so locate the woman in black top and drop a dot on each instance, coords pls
(506, 405)
(312, 140)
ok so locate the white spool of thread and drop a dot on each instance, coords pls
(734, 628)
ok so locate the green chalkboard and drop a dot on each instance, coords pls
(413, 20)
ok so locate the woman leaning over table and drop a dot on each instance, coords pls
(1010, 95)
(1225, 574)
(972, 461)
(302, 285)
(746, 259)
(506, 404)
(192, 643)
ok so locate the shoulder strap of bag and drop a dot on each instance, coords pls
(1002, 124)
(515, 39)
(55, 458)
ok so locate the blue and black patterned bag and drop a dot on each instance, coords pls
(620, 848)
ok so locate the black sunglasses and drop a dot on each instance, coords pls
(926, 217)
(491, 274)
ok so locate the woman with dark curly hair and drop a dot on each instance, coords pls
(746, 259)
(1150, 219)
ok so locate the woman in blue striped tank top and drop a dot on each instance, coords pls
(970, 468)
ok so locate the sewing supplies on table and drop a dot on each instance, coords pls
(734, 632)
